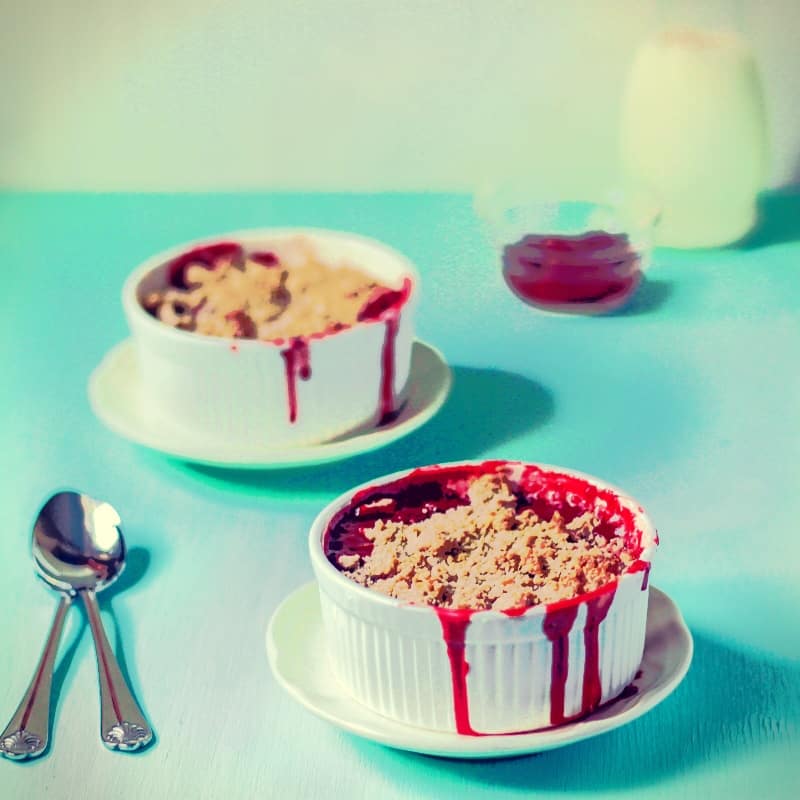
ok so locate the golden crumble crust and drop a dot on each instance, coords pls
(296, 296)
(487, 555)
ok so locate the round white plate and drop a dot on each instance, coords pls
(114, 397)
(296, 651)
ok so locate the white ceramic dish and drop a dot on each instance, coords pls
(115, 397)
(488, 672)
(244, 392)
(299, 661)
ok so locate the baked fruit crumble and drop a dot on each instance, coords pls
(279, 294)
(536, 575)
(489, 551)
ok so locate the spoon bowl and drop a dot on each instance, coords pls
(77, 543)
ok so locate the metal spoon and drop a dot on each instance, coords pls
(78, 549)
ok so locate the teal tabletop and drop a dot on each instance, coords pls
(689, 399)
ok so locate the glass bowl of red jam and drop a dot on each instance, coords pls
(575, 256)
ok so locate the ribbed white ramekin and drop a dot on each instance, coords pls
(392, 656)
(234, 391)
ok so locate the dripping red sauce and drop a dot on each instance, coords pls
(644, 568)
(429, 490)
(297, 361)
(596, 611)
(629, 691)
(387, 409)
(385, 305)
(558, 623)
(454, 622)
(595, 271)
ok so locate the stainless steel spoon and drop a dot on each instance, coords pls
(78, 549)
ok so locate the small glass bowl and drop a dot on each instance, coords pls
(582, 256)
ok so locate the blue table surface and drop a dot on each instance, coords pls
(689, 399)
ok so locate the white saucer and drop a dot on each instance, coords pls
(296, 651)
(114, 397)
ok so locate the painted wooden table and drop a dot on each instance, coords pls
(690, 400)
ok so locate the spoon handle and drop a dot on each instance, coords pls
(122, 723)
(27, 734)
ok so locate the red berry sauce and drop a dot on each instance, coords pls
(207, 255)
(557, 626)
(385, 305)
(245, 327)
(594, 271)
(430, 490)
(297, 360)
(266, 258)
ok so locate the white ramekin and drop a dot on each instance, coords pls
(234, 391)
(392, 656)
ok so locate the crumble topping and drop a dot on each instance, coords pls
(278, 294)
(487, 554)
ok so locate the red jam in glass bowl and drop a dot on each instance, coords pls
(588, 273)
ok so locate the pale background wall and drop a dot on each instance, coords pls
(353, 94)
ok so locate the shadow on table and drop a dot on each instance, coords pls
(486, 408)
(778, 219)
(729, 701)
(649, 297)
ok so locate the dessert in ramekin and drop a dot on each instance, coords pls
(273, 337)
(484, 598)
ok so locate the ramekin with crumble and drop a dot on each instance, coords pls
(273, 337)
(488, 597)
